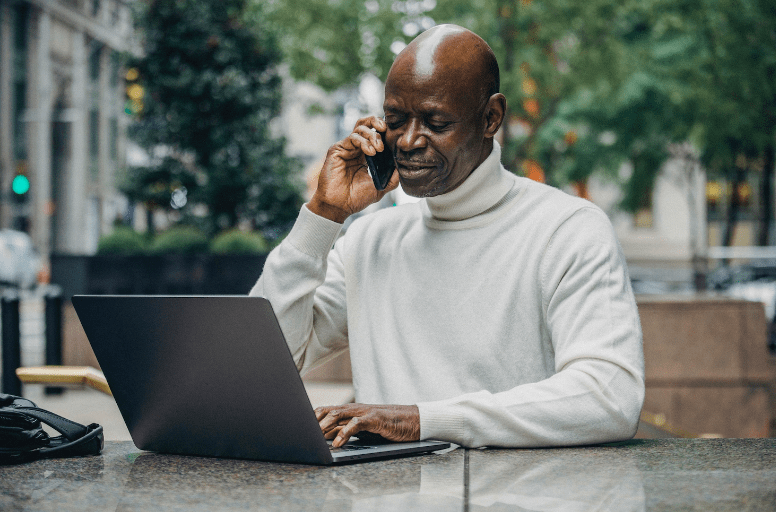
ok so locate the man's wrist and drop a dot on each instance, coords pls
(327, 211)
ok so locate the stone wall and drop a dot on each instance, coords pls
(708, 369)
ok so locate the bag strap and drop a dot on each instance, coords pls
(8, 400)
(76, 439)
(70, 429)
(91, 443)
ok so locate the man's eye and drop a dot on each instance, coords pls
(394, 123)
(438, 126)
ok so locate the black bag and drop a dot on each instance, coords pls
(23, 439)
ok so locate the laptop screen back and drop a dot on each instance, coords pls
(203, 376)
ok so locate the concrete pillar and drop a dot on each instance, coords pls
(75, 215)
(40, 133)
(6, 111)
(105, 166)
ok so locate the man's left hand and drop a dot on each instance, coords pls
(393, 422)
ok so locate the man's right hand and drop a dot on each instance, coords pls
(344, 184)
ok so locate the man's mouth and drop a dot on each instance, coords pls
(409, 169)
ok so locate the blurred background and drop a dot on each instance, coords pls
(165, 146)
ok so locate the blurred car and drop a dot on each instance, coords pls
(726, 276)
(19, 261)
(755, 282)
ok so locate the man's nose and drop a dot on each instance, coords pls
(412, 138)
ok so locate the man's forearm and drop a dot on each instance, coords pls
(293, 273)
(588, 402)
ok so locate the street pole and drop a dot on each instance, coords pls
(53, 302)
(12, 353)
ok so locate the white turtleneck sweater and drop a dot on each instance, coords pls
(503, 309)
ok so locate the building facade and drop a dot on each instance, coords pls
(62, 127)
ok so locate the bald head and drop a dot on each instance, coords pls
(455, 53)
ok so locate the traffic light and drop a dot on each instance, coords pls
(20, 187)
(20, 199)
(134, 93)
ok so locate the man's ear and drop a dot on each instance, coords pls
(494, 114)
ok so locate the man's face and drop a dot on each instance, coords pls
(435, 128)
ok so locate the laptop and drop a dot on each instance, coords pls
(212, 376)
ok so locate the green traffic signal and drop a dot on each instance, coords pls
(20, 184)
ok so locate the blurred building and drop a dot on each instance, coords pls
(659, 242)
(62, 133)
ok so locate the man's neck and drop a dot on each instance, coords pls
(482, 189)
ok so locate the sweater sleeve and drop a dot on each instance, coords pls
(597, 391)
(303, 280)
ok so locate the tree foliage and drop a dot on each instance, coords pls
(209, 88)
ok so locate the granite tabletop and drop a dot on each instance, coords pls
(654, 474)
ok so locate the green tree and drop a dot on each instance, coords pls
(208, 89)
(331, 43)
(733, 88)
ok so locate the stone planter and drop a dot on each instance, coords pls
(168, 274)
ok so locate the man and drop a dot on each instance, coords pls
(496, 311)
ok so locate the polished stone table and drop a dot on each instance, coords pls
(664, 474)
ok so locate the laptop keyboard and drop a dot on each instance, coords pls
(349, 448)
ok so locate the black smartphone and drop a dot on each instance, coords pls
(381, 166)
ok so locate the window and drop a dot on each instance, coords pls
(94, 61)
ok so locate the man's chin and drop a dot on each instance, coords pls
(420, 185)
(420, 190)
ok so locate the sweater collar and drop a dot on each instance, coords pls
(484, 187)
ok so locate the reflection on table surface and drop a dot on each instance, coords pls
(640, 475)
(561, 482)
(555, 480)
